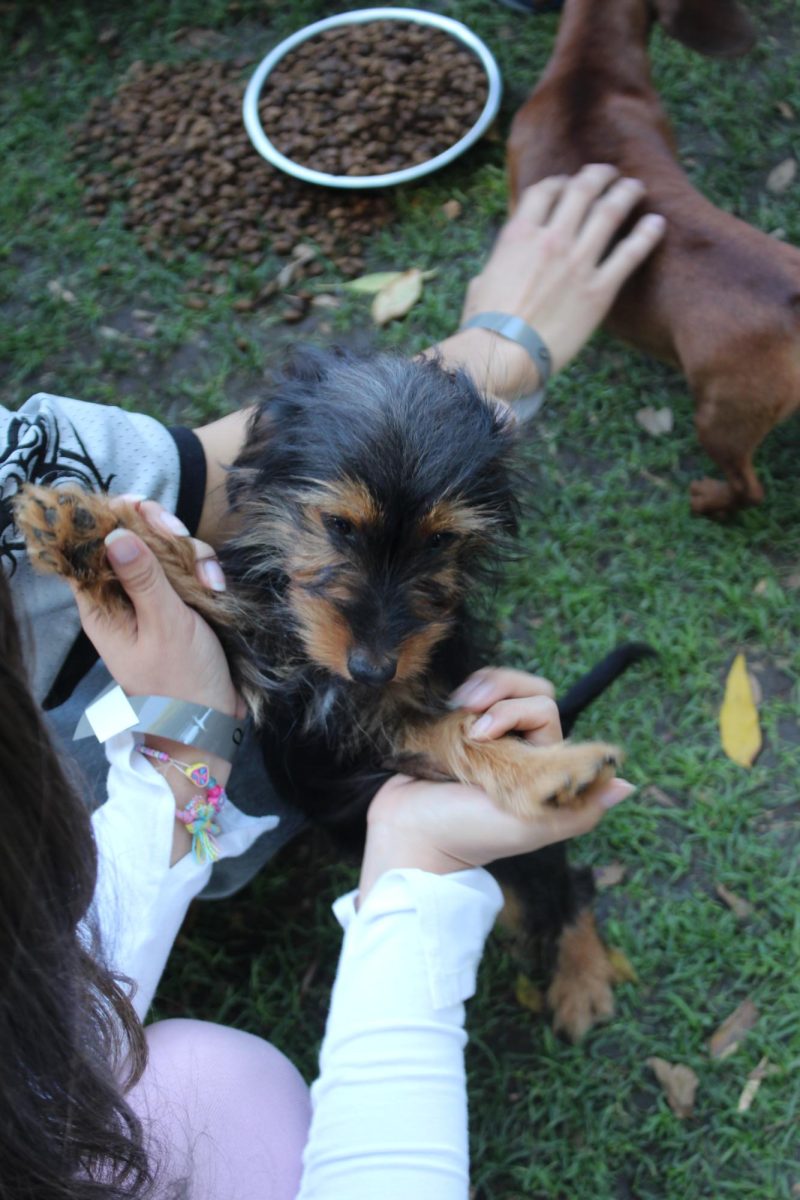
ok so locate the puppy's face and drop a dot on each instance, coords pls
(379, 488)
(375, 583)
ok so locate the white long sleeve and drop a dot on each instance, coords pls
(389, 1107)
(140, 900)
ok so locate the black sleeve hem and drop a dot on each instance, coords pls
(192, 487)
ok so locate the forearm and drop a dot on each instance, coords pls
(390, 1115)
(222, 442)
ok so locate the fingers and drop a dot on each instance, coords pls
(535, 716)
(491, 684)
(631, 251)
(142, 577)
(605, 217)
(207, 568)
(536, 202)
(579, 195)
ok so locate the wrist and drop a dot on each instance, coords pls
(390, 847)
(498, 366)
(183, 789)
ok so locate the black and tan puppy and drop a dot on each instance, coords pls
(373, 496)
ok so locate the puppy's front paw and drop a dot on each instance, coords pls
(524, 778)
(64, 530)
(580, 994)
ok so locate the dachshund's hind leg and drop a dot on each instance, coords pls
(519, 777)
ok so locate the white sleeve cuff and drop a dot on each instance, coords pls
(455, 913)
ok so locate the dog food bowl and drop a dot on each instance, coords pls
(454, 29)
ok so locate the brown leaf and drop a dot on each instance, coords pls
(528, 994)
(655, 421)
(659, 795)
(726, 1039)
(452, 209)
(781, 178)
(761, 587)
(679, 1083)
(397, 297)
(609, 876)
(738, 906)
(785, 109)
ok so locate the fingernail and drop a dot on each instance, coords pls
(211, 574)
(122, 546)
(131, 497)
(481, 726)
(173, 524)
(617, 791)
(653, 221)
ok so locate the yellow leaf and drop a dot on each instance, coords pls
(397, 297)
(528, 994)
(738, 718)
(624, 971)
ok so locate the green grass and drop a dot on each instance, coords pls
(609, 552)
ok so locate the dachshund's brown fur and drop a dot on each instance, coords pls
(718, 299)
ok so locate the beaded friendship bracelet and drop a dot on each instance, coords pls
(199, 815)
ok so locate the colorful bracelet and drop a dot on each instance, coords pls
(199, 815)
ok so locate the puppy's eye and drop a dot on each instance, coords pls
(338, 525)
(442, 537)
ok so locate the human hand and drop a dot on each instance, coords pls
(546, 268)
(162, 647)
(445, 827)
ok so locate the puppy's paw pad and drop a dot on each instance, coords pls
(64, 529)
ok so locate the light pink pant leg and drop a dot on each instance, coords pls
(223, 1110)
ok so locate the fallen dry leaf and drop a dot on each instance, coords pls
(397, 297)
(609, 876)
(528, 994)
(738, 719)
(785, 109)
(655, 421)
(781, 178)
(725, 1040)
(324, 300)
(368, 285)
(659, 795)
(452, 209)
(679, 1083)
(57, 290)
(761, 587)
(624, 971)
(753, 1084)
(735, 903)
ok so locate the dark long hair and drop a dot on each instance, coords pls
(70, 1042)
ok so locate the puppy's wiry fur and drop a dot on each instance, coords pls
(372, 497)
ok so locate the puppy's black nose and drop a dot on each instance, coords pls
(371, 668)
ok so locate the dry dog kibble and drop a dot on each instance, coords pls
(171, 147)
(373, 98)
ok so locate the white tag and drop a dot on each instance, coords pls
(111, 714)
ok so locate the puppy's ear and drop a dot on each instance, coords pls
(717, 28)
(310, 364)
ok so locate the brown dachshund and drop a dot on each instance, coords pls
(719, 299)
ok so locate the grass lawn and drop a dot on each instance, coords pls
(609, 553)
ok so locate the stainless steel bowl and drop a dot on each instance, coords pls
(361, 16)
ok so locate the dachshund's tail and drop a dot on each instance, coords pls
(595, 682)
